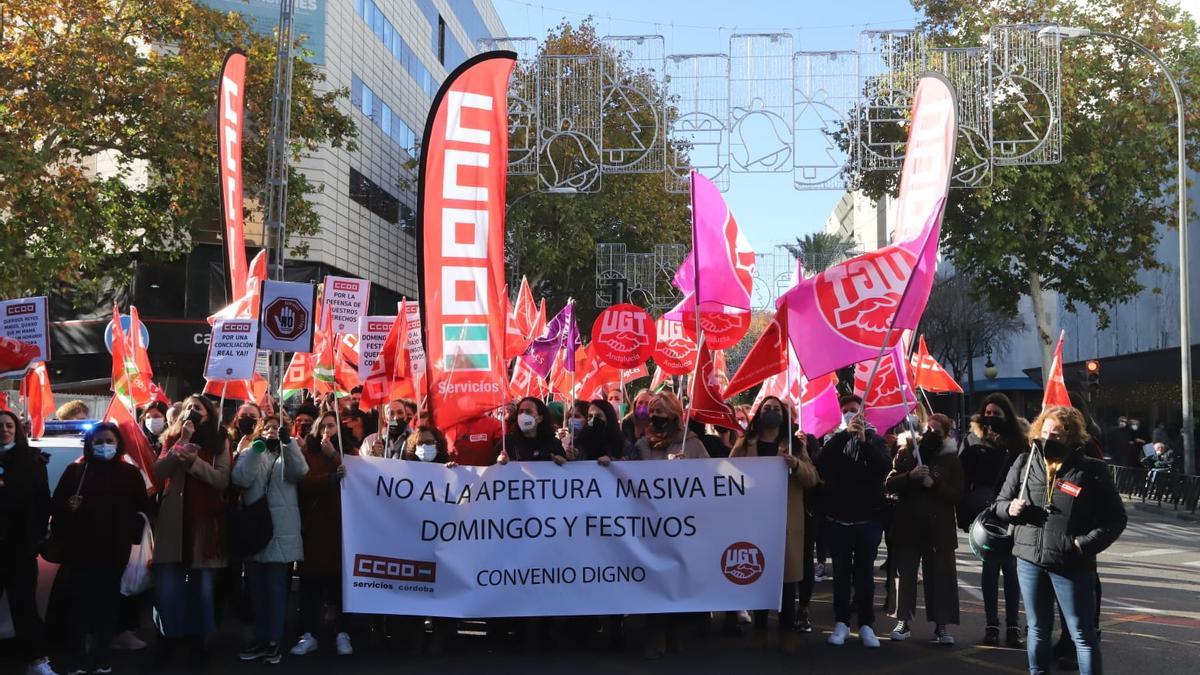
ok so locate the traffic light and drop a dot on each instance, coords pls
(1091, 376)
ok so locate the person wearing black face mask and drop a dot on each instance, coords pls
(389, 442)
(768, 436)
(928, 483)
(1067, 513)
(600, 439)
(270, 465)
(998, 437)
(244, 422)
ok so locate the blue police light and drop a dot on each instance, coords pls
(69, 427)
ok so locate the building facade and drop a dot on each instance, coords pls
(391, 55)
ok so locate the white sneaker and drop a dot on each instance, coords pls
(40, 667)
(942, 637)
(306, 645)
(344, 647)
(901, 632)
(840, 632)
(868, 637)
(743, 616)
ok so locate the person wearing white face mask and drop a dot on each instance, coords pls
(534, 438)
(154, 423)
(95, 512)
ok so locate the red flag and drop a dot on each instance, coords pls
(767, 357)
(298, 376)
(1056, 388)
(231, 97)
(137, 449)
(525, 382)
(377, 388)
(16, 355)
(929, 375)
(462, 176)
(128, 382)
(347, 348)
(706, 404)
(39, 400)
(240, 390)
(660, 380)
(4, 401)
(522, 322)
(891, 396)
(245, 306)
(324, 359)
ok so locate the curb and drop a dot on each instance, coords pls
(1164, 512)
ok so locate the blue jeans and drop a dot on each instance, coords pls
(991, 593)
(1076, 594)
(184, 598)
(268, 586)
(854, 548)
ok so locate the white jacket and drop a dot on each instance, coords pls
(250, 472)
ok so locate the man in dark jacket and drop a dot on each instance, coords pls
(24, 514)
(853, 465)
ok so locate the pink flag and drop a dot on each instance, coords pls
(844, 314)
(725, 262)
(820, 412)
(891, 396)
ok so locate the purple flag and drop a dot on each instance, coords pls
(560, 332)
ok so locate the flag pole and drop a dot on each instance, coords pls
(695, 296)
(221, 406)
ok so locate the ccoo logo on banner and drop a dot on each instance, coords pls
(534, 539)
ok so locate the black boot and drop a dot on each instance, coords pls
(160, 654)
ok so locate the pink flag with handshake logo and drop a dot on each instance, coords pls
(845, 314)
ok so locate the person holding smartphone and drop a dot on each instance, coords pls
(189, 536)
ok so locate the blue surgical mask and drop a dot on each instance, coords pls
(576, 424)
(105, 451)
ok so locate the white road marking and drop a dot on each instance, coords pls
(1150, 552)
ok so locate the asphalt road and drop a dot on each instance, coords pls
(1150, 617)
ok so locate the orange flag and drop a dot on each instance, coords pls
(390, 365)
(129, 383)
(245, 306)
(929, 375)
(1056, 388)
(299, 376)
(39, 400)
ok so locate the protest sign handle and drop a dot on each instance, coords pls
(221, 406)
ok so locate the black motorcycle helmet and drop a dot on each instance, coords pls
(990, 539)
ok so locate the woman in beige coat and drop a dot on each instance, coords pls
(189, 536)
(768, 436)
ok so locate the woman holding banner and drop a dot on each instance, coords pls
(534, 439)
(189, 537)
(269, 466)
(601, 439)
(770, 435)
(666, 438)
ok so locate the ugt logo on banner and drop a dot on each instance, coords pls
(624, 336)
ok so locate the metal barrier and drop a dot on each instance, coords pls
(1161, 486)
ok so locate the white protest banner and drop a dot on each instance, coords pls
(372, 333)
(346, 300)
(416, 349)
(286, 316)
(25, 319)
(536, 539)
(233, 350)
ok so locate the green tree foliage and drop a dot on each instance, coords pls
(1083, 228)
(819, 250)
(552, 237)
(133, 83)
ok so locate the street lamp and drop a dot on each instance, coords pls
(1185, 326)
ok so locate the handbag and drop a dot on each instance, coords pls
(55, 548)
(251, 528)
(135, 580)
(991, 539)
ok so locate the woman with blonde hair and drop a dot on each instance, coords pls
(1066, 510)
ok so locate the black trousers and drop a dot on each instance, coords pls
(97, 594)
(18, 580)
(787, 610)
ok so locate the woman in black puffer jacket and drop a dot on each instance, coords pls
(998, 436)
(1068, 513)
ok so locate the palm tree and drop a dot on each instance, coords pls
(820, 250)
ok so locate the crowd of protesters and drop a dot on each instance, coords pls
(846, 494)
